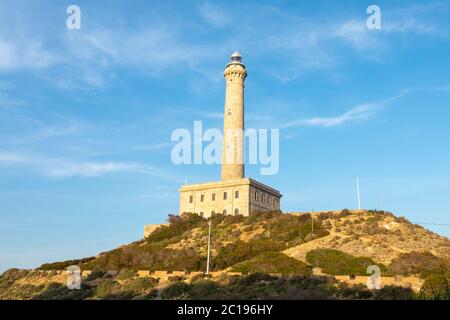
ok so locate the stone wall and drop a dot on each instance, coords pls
(412, 282)
(407, 282)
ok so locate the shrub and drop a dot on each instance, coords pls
(422, 263)
(336, 262)
(175, 290)
(125, 274)
(104, 288)
(140, 285)
(64, 264)
(394, 293)
(437, 285)
(177, 226)
(240, 251)
(202, 289)
(56, 291)
(272, 262)
(261, 216)
(289, 228)
(151, 256)
(95, 275)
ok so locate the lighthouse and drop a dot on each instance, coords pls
(234, 194)
(233, 119)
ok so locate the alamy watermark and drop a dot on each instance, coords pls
(374, 281)
(374, 20)
(73, 22)
(73, 277)
(205, 147)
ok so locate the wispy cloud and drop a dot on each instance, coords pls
(16, 54)
(357, 113)
(298, 44)
(214, 15)
(213, 115)
(151, 147)
(67, 168)
(7, 101)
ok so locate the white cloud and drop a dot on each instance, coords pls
(151, 147)
(296, 43)
(7, 101)
(66, 168)
(92, 169)
(24, 54)
(213, 115)
(357, 113)
(214, 15)
(356, 33)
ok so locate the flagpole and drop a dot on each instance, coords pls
(357, 190)
(209, 246)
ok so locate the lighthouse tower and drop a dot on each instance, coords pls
(234, 194)
(233, 120)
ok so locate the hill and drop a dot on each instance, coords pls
(293, 245)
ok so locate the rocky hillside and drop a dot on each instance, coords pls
(378, 235)
(337, 243)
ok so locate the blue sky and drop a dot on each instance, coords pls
(86, 115)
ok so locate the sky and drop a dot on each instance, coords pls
(86, 115)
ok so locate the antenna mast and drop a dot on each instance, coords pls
(209, 245)
(357, 191)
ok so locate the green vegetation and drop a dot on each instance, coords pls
(252, 245)
(177, 226)
(64, 264)
(418, 263)
(336, 262)
(264, 286)
(435, 271)
(272, 262)
(253, 286)
(239, 251)
(178, 289)
(148, 257)
(291, 229)
(273, 231)
(437, 285)
(125, 274)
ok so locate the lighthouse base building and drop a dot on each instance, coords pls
(232, 197)
(234, 194)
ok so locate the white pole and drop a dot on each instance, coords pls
(209, 245)
(357, 191)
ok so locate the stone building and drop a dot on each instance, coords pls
(234, 194)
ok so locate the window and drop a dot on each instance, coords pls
(236, 211)
(191, 199)
(224, 196)
(224, 211)
(256, 195)
(201, 214)
(202, 197)
(213, 197)
(236, 194)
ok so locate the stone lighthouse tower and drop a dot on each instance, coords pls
(234, 194)
(233, 120)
